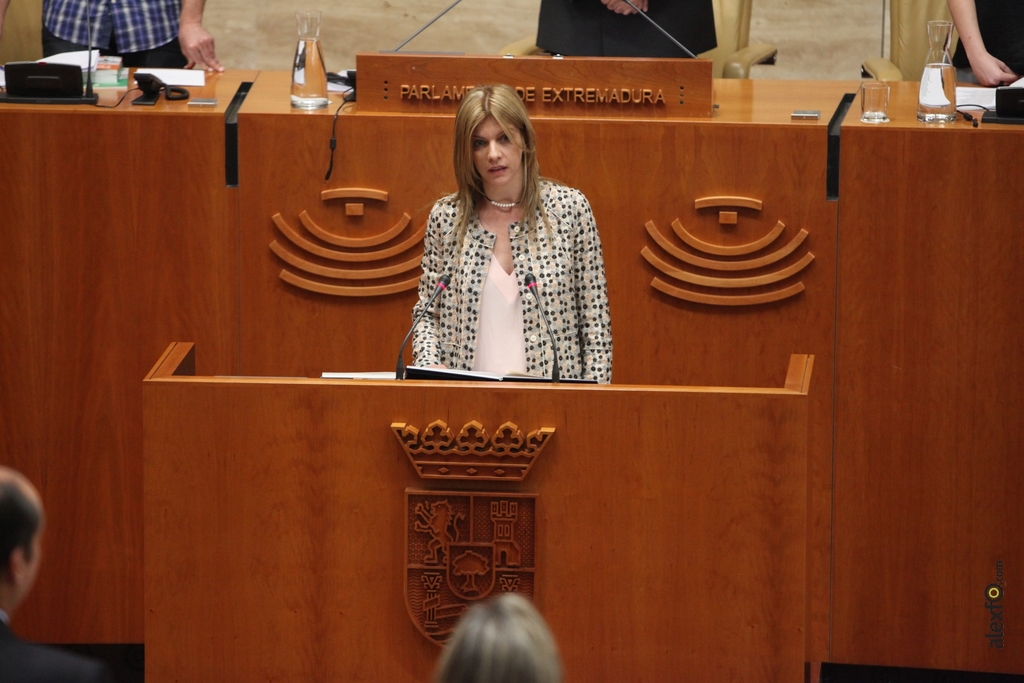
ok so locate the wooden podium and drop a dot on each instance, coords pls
(668, 524)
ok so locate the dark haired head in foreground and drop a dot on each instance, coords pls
(21, 518)
(503, 640)
(21, 528)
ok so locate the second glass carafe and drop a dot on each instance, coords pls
(936, 100)
(309, 75)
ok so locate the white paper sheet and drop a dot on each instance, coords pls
(193, 77)
(981, 97)
(79, 58)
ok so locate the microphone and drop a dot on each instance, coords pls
(442, 285)
(427, 25)
(667, 34)
(531, 284)
(89, 97)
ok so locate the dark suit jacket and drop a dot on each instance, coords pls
(22, 662)
(586, 28)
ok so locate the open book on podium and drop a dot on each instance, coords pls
(446, 375)
(606, 87)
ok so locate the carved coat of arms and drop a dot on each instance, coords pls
(462, 546)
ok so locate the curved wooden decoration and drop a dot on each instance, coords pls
(746, 202)
(340, 273)
(354, 242)
(474, 454)
(720, 250)
(727, 299)
(687, 257)
(354, 193)
(726, 282)
(351, 257)
(337, 290)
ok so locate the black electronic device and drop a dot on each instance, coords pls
(42, 83)
(1010, 102)
(151, 87)
(1009, 107)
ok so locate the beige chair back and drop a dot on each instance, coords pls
(908, 45)
(22, 37)
(732, 26)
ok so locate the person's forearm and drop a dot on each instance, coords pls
(197, 43)
(988, 69)
(965, 18)
(191, 11)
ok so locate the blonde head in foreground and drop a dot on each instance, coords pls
(503, 640)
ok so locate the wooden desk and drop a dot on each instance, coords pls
(667, 539)
(118, 234)
(928, 475)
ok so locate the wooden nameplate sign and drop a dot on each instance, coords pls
(600, 87)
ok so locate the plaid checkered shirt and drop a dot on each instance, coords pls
(135, 24)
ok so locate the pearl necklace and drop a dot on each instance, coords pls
(502, 205)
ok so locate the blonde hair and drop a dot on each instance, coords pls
(503, 640)
(501, 102)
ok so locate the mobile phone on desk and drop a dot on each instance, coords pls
(203, 102)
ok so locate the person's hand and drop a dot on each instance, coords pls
(990, 71)
(197, 46)
(622, 7)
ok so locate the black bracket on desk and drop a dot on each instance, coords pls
(231, 134)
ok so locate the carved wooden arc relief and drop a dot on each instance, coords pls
(759, 275)
(307, 253)
(437, 453)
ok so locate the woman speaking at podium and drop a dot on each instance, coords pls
(517, 247)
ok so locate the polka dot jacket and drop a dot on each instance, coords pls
(569, 267)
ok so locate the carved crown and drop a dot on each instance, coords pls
(437, 453)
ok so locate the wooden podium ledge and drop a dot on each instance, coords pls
(179, 360)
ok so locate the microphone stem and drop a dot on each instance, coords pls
(427, 25)
(531, 284)
(666, 33)
(442, 285)
(88, 52)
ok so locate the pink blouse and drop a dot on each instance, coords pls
(500, 346)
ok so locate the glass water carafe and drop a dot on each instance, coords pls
(936, 100)
(309, 76)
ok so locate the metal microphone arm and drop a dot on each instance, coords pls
(89, 96)
(531, 284)
(427, 25)
(655, 25)
(442, 285)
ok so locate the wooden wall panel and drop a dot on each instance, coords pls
(118, 234)
(668, 540)
(929, 384)
(288, 330)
